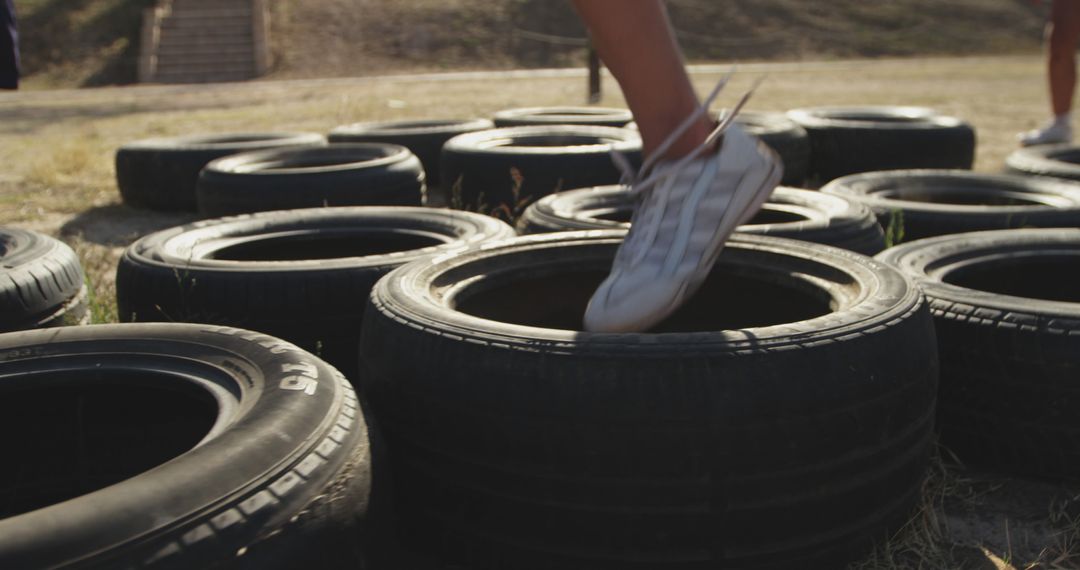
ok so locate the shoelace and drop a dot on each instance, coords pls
(641, 180)
(644, 182)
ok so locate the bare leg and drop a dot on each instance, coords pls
(1062, 35)
(634, 39)
(688, 205)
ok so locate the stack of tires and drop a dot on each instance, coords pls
(41, 282)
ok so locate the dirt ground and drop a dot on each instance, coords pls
(57, 148)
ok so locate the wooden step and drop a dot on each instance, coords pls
(209, 25)
(207, 61)
(198, 79)
(209, 4)
(190, 67)
(219, 13)
(183, 39)
(205, 41)
(205, 50)
(202, 75)
(184, 7)
(232, 32)
(204, 17)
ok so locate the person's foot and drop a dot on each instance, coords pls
(689, 208)
(1054, 132)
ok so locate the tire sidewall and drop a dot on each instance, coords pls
(247, 479)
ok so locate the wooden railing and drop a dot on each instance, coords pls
(151, 35)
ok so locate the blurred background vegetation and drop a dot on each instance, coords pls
(69, 43)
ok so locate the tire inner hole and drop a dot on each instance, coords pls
(316, 161)
(1046, 277)
(76, 432)
(553, 140)
(326, 245)
(1070, 156)
(874, 118)
(572, 113)
(765, 215)
(959, 196)
(236, 140)
(731, 298)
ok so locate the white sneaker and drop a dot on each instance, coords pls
(688, 209)
(1053, 132)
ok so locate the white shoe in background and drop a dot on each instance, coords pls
(1054, 132)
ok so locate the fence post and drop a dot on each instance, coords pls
(148, 40)
(260, 11)
(594, 75)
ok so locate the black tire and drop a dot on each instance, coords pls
(548, 116)
(790, 213)
(784, 136)
(301, 275)
(358, 174)
(1057, 161)
(1007, 314)
(172, 446)
(849, 140)
(41, 282)
(479, 168)
(425, 139)
(926, 203)
(161, 174)
(520, 442)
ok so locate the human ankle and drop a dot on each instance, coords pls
(687, 143)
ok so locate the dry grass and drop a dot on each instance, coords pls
(322, 38)
(58, 150)
(95, 42)
(970, 520)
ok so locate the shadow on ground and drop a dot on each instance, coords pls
(117, 225)
(28, 118)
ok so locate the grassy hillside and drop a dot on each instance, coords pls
(355, 37)
(95, 42)
(70, 43)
